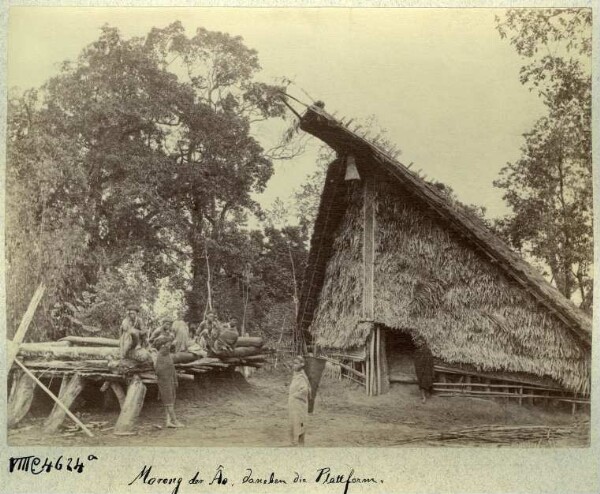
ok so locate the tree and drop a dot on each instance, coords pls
(216, 163)
(550, 187)
(140, 149)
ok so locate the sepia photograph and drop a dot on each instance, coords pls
(298, 228)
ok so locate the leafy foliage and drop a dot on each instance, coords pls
(136, 164)
(550, 187)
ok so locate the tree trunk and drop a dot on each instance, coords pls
(196, 297)
(69, 390)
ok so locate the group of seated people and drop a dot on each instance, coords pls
(211, 337)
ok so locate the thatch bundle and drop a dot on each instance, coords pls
(431, 283)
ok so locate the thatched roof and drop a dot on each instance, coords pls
(470, 228)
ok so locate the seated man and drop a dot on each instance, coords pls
(193, 329)
(165, 330)
(227, 338)
(233, 324)
(181, 334)
(208, 331)
(133, 332)
(209, 322)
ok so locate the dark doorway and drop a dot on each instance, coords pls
(400, 350)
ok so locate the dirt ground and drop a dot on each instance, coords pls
(254, 413)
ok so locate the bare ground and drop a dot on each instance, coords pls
(236, 413)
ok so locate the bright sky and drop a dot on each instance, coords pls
(441, 81)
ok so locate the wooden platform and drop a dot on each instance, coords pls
(98, 362)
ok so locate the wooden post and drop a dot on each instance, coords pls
(69, 390)
(368, 301)
(368, 250)
(20, 398)
(383, 363)
(134, 400)
(467, 388)
(13, 347)
(54, 398)
(521, 396)
(368, 368)
(373, 363)
(377, 360)
(119, 393)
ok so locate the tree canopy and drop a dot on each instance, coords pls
(550, 187)
(138, 157)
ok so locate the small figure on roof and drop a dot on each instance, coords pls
(166, 378)
(133, 332)
(298, 402)
(165, 329)
(423, 367)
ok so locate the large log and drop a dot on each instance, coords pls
(45, 344)
(245, 360)
(245, 351)
(67, 352)
(244, 341)
(91, 340)
(87, 365)
(69, 390)
(136, 392)
(20, 398)
(200, 362)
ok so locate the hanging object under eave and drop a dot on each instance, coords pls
(351, 170)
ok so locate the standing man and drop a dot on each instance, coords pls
(133, 332)
(298, 402)
(166, 378)
(423, 367)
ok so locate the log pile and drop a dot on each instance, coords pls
(98, 358)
